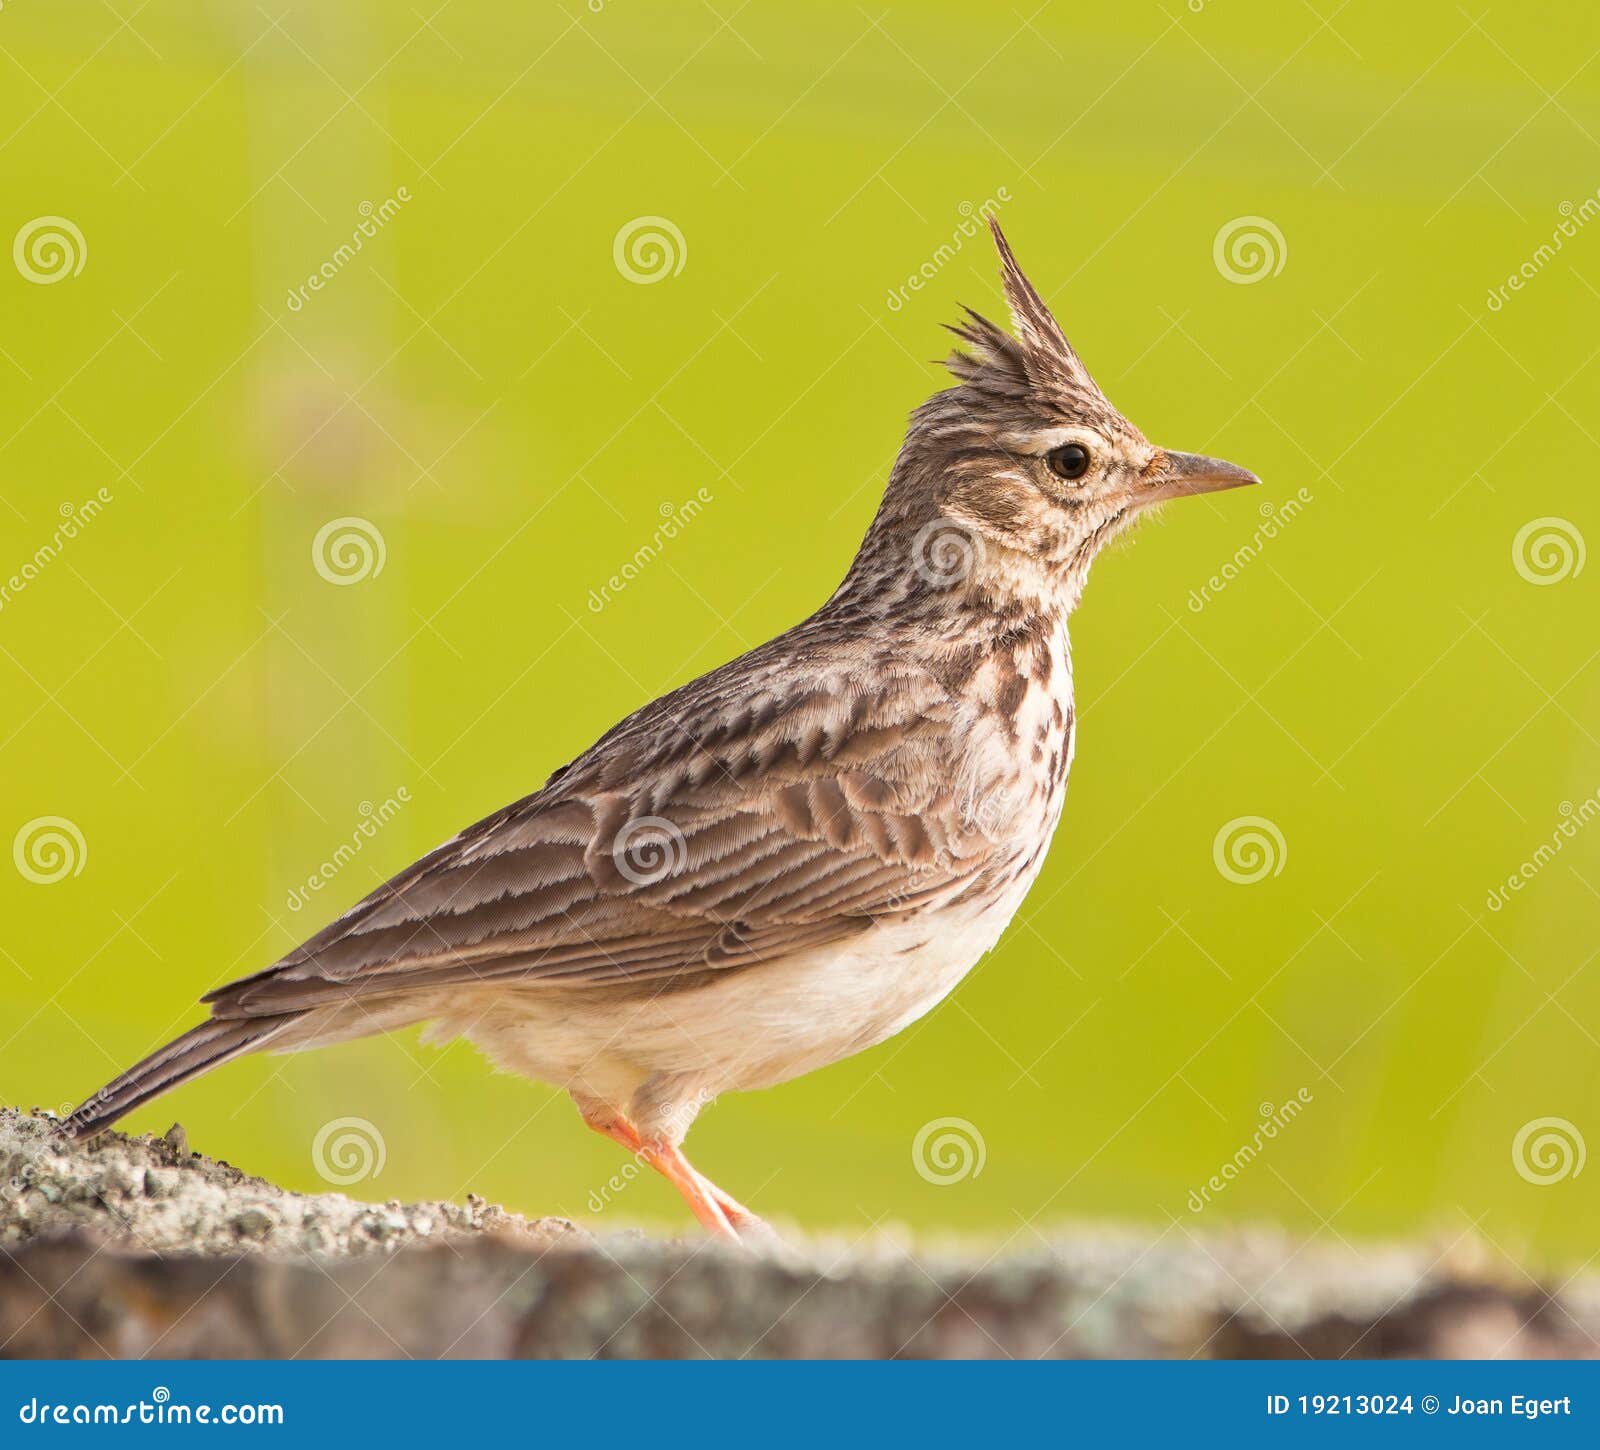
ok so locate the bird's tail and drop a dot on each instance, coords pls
(199, 1050)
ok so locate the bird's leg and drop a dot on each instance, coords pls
(733, 1213)
(668, 1160)
(613, 1126)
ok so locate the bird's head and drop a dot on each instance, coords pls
(1014, 478)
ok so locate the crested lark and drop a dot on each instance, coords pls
(792, 857)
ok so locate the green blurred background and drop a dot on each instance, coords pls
(515, 416)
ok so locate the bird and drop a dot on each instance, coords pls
(791, 858)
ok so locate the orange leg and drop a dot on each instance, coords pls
(668, 1160)
(717, 1211)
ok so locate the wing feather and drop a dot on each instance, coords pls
(709, 833)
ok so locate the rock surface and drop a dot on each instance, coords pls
(156, 1196)
(134, 1247)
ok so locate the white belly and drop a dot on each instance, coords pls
(660, 1058)
(760, 1026)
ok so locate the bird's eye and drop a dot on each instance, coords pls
(1070, 461)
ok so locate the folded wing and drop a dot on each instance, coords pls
(741, 828)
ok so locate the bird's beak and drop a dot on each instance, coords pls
(1182, 474)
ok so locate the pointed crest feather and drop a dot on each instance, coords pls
(997, 352)
(1039, 356)
(1035, 324)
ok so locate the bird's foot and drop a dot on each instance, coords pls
(712, 1209)
(748, 1226)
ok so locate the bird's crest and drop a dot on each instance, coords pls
(1038, 359)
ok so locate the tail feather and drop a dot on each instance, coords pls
(199, 1050)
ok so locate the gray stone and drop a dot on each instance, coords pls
(136, 1246)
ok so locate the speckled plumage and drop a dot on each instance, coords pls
(793, 856)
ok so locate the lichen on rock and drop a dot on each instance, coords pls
(141, 1247)
(156, 1195)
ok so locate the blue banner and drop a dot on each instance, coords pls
(766, 1404)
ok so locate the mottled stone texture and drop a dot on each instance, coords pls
(139, 1247)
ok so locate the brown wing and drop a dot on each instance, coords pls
(732, 823)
